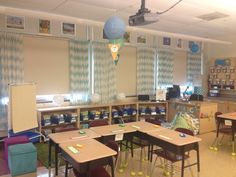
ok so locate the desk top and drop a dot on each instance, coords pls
(231, 116)
(144, 127)
(74, 135)
(173, 137)
(113, 129)
(90, 150)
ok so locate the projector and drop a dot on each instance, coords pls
(141, 19)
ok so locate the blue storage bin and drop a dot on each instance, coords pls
(57, 119)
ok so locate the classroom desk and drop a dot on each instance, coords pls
(70, 136)
(91, 154)
(171, 140)
(230, 117)
(144, 127)
(113, 132)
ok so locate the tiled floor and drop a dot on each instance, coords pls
(213, 164)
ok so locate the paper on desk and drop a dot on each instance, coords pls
(119, 137)
(228, 122)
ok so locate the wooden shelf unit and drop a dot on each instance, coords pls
(222, 74)
(78, 110)
(156, 110)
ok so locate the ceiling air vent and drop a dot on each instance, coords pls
(212, 16)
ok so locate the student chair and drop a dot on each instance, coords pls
(142, 144)
(101, 171)
(102, 122)
(59, 130)
(223, 129)
(170, 157)
(99, 122)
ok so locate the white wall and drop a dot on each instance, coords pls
(221, 50)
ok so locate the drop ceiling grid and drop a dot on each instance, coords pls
(42, 5)
(113, 4)
(83, 11)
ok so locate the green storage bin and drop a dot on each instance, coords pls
(22, 159)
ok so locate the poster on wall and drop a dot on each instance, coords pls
(68, 28)
(44, 26)
(141, 39)
(179, 43)
(127, 37)
(16, 22)
(166, 41)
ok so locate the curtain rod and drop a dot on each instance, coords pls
(44, 35)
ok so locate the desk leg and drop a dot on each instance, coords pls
(88, 170)
(233, 142)
(198, 158)
(112, 167)
(182, 167)
(56, 159)
(49, 156)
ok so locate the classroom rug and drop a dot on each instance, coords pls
(42, 153)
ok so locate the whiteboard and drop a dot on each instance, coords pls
(22, 107)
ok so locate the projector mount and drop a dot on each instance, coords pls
(144, 16)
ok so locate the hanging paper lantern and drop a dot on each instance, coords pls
(114, 28)
(115, 45)
(114, 50)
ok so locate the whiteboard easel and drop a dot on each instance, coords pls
(22, 107)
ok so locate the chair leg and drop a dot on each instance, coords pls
(190, 169)
(214, 145)
(153, 167)
(66, 170)
(221, 139)
(172, 170)
(140, 172)
(165, 169)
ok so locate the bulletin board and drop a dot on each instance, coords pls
(22, 107)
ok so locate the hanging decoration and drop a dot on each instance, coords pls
(114, 30)
(115, 45)
(194, 47)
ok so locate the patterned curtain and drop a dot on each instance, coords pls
(145, 71)
(11, 69)
(79, 71)
(104, 72)
(165, 65)
(193, 66)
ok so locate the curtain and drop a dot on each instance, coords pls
(104, 72)
(145, 71)
(193, 67)
(165, 65)
(79, 71)
(11, 69)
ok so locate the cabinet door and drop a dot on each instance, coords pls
(232, 107)
(223, 106)
(207, 119)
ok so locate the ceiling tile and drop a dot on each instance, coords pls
(42, 5)
(83, 11)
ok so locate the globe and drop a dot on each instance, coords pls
(114, 28)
